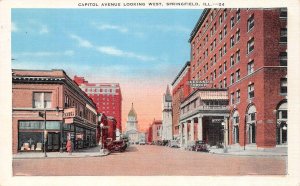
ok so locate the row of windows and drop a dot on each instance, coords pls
(99, 90)
(235, 97)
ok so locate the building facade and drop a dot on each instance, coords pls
(180, 90)
(238, 74)
(108, 99)
(132, 127)
(48, 106)
(167, 116)
(157, 131)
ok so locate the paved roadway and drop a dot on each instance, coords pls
(151, 160)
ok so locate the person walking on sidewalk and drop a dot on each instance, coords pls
(69, 146)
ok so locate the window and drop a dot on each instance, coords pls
(225, 14)
(237, 75)
(250, 45)
(215, 59)
(220, 53)
(283, 85)
(225, 66)
(238, 56)
(215, 27)
(250, 67)
(211, 61)
(231, 41)
(220, 70)
(237, 38)
(224, 49)
(225, 30)
(231, 60)
(211, 76)
(225, 82)
(238, 14)
(232, 22)
(251, 91)
(283, 59)
(220, 35)
(215, 43)
(238, 96)
(283, 35)
(231, 78)
(283, 13)
(42, 100)
(211, 32)
(220, 84)
(220, 19)
(250, 23)
(215, 74)
(211, 46)
(232, 98)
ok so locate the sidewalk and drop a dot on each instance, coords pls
(251, 150)
(91, 152)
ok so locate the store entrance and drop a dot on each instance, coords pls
(53, 141)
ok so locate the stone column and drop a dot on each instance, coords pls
(200, 136)
(192, 130)
(185, 133)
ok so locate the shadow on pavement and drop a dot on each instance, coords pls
(131, 149)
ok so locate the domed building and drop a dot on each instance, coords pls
(131, 126)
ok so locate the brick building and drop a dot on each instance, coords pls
(108, 99)
(51, 97)
(239, 58)
(156, 131)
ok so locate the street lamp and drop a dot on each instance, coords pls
(101, 137)
(43, 115)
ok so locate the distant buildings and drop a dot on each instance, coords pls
(108, 99)
(50, 97)
(167, 116)
(234, 89)
(132, 127)
(156, 131)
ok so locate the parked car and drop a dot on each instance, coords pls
(116, 146)
(142, 143)
(173, 144)
(200, 146)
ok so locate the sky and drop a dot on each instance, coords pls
(143, 50)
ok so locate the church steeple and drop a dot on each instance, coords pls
(168, 97)
(168, 90)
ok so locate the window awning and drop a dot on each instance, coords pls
(213, 95)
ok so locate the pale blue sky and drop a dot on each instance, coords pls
(131, 43)
(143, 50)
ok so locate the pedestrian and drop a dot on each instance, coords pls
(69, 146)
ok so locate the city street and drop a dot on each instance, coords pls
(149, 160)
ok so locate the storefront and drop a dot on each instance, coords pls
(31, 135)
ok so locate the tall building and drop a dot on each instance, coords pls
(238, 79)
(108, 99)
(167, 116)
(132, 126)
(48, 105)
(157, 131)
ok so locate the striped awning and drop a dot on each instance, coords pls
(213, 95)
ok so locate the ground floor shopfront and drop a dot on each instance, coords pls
(207, 116)
(31, 135)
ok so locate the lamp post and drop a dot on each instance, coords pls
(43, 115)
(225, 137)
(101, 137)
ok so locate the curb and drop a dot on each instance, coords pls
(256, 155)
(70, 156)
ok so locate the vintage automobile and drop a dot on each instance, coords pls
(116, 146)
(200, 146)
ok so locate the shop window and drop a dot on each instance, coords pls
(250, 23)
(283, 35)
(250, 67)
(283, 59)
(251, 91)
(42, 100)
(250, 45)
(283, 85)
